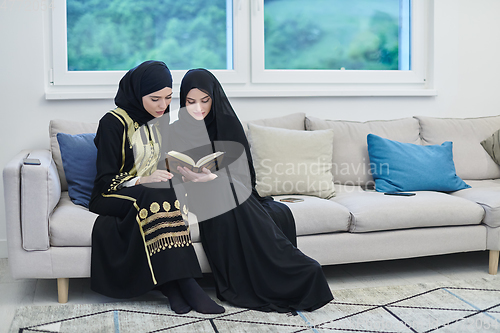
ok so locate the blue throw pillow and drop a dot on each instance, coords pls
(79, 154)
(400, 167)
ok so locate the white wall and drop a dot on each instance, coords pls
(466, 75)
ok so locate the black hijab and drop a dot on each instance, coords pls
(221, 122)
(148, 77)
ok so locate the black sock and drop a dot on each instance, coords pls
(177, 302)
(197, 298)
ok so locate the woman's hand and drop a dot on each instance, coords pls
(155, 177)
(204, 176)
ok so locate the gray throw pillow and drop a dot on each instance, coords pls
(492, 146)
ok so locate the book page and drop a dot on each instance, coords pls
(207, 158)
(181, 156)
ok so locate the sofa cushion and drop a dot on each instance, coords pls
(374, 211)
(70, 224)
(294, 121)
(69, 127)
(400, 167)
(316, 216)
(471, 160)
(492, 146)
(79, 154)
(312, 216)
(350, 152)
(487, 194)
(292, 162)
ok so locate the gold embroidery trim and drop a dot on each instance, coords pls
(164, 225)
(169, 240)
(160, 215)
(119, 196)
(128, 120)
(140, 229)
(146, 248)
(143, 213)
(154, 208)
(116, 114)
(126, 135)
(119, 179)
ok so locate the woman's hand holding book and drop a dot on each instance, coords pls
(204, 176)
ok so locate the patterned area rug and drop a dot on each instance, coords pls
(461, 306)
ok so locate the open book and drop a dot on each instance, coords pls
(210, 161)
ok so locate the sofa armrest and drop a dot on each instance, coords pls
(40, 193)
(12, 196)
(31, 194)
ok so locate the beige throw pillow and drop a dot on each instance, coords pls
(471, 160)
(492, 146)
(292, 161)
(68, 127)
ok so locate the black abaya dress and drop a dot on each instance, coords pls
(140, 239)
(251, 248)
(253, 262)
(255, 265)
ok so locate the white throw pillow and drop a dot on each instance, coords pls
(292, 161)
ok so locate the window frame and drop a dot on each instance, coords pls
(61, 75)
(248, 78)
(416, 75)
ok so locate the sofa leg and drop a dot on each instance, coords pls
(493, 262)
(62, 289)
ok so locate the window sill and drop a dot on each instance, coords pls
(109, 92)
(333, 93)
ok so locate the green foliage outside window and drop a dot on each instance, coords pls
(331, 34)
(120, 34)
(299, 34)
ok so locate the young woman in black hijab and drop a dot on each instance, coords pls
(254, 262)
(140, 241)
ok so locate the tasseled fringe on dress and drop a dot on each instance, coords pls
(168, 241)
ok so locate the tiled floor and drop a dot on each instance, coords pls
(462, 266)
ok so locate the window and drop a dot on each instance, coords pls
(118, 35)
(337, 34)
(339, 42)
(254, 47)
(96, 42)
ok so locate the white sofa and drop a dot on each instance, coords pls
(49, 237)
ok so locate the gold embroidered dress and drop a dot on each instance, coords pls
(140, 239)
